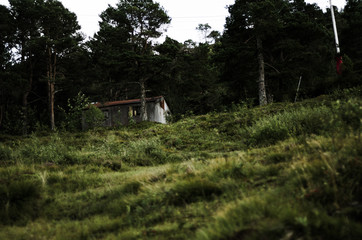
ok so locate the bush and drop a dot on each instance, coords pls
(73, 115)
(172, 141)
(347, 116)
(268, 132)
(93, 117)
(342, 94)
(5, 153)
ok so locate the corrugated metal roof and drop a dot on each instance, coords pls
(125, 102)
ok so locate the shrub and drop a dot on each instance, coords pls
(355, 92)
(5, 153)
(172, 141)
(73, 115)
(93, 117)
(347, 116)
(267, 132)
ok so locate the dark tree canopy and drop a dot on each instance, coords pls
(351, 39)
(296, 43)
(266, 48)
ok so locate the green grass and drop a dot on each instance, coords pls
(284, 171)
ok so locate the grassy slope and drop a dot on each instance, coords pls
(285, 171)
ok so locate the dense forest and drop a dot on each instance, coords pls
(49, 71)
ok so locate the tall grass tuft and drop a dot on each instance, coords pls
(291, 123)
(144, 152)
(186, 192)
(270, 216)
(20, 197)
(38, 150)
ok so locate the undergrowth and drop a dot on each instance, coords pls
(283, 171)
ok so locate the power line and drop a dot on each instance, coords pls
(219, 16)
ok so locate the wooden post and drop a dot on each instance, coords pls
(296, 95)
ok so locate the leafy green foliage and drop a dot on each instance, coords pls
(191, 80)
(350, 37)
(347, 116)
(73, 115)
(5, 153)
(123, 49)
(93, 117)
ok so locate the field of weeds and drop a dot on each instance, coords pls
(284, 171)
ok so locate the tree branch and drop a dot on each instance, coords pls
(272, 67)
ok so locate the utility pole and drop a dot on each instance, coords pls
(335, 28)
(339, 56)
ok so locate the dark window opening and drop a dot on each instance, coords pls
(135, 111)
(106, 114)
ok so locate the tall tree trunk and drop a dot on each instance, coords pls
(261, 81)
(143, 100)
(25, 112)
(2, 106)
(51, 86)
(51, 104)
(25, 99)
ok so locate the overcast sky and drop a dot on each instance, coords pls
(185, 14)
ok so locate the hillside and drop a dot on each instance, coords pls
(283, 171)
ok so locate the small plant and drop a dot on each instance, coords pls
(131, 121)
(169, 117)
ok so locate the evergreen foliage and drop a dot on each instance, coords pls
(42, 66)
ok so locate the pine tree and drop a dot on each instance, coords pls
(136, 23)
